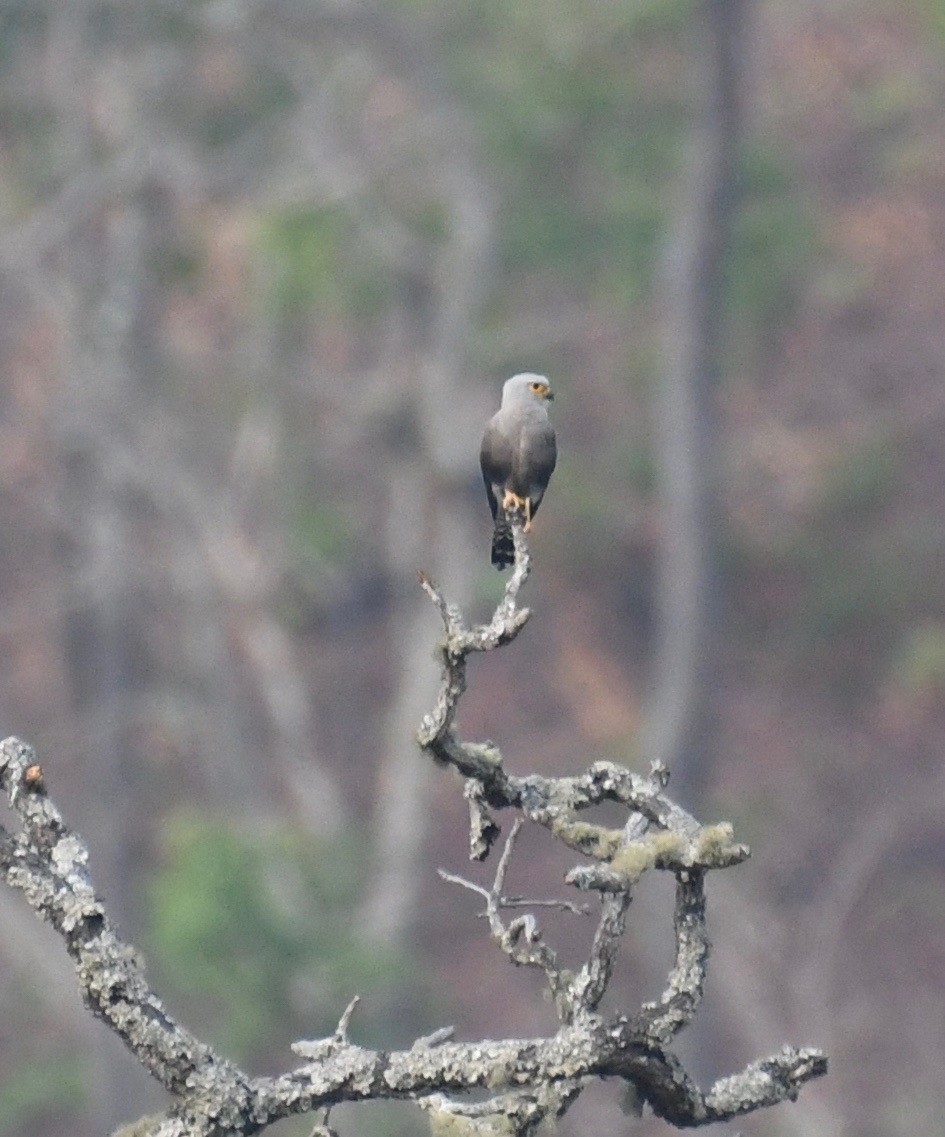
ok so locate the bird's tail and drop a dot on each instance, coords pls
(503, 546)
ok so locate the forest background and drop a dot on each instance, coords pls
(263, 268)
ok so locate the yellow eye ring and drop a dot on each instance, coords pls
(539, 388)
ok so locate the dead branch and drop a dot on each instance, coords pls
(657, 834)
(530, 1079)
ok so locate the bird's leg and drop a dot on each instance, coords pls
(512, 503)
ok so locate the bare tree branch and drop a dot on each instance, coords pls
(657, 834)
(531, 1079)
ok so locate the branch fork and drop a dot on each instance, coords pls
(529, 1080)
(657, 834)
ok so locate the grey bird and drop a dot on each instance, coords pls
(517, 457)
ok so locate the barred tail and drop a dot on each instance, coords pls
(503, 547)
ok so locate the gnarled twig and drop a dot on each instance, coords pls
(530, 1079)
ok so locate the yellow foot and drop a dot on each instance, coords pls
(513, 501)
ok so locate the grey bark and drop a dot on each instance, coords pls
(528, 1080)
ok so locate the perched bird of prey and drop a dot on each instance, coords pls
(517, 456)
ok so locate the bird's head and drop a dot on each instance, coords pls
(525, 390)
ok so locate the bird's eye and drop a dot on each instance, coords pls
(539, 388)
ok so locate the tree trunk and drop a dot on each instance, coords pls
(429, 511)
(681, 725)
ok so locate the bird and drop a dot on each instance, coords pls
(517, 457)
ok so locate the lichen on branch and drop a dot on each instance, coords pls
(526, 1081)
(657, 835)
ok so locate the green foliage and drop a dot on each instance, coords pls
(320, 533)
(312, 264)
(259, 97)
(843, 583)
(773, 243)
(18, 19)
(257, 929)
(838, 599)
(176, 265)
(303, 249)
(862, 479)
(36, 1088)
(852, 595)
(639, 465)
(919, 664)
(580, 129)
(605, 226)
(934, 13)
(175, 24)
(888, 101)
(628, 467)
(850, 592)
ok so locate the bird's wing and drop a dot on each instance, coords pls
(539, 454)
(495, 458)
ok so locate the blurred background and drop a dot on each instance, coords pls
(264, 265)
